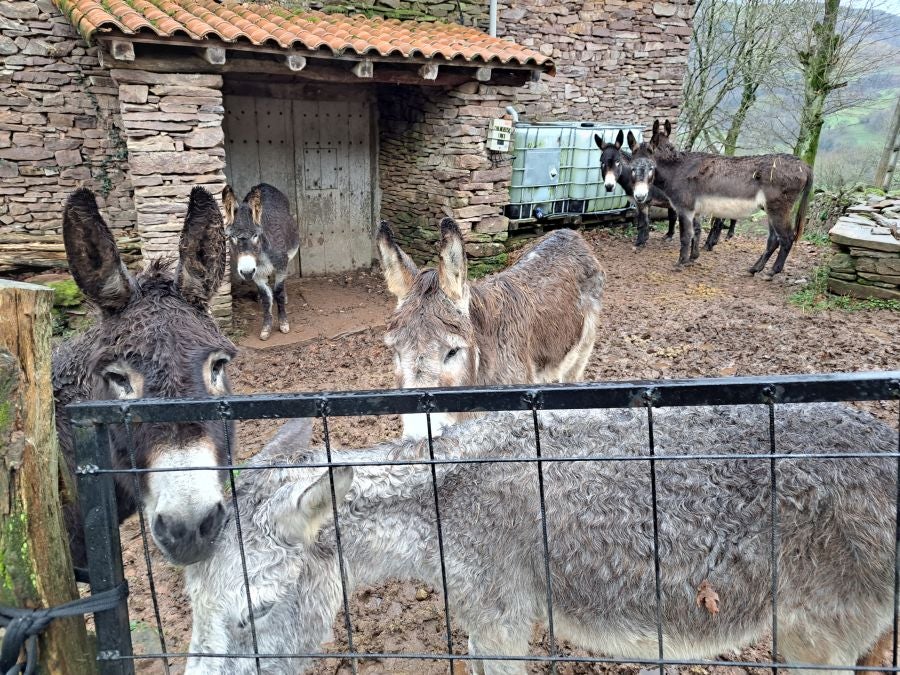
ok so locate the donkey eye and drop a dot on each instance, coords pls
(218, 369)
(118, 381)
(254, 238)
(259, 613)
(451, 354)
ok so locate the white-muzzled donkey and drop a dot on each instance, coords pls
(534, 322)
(835, 537)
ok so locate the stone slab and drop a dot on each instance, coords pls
(860, 291)
(861, 236)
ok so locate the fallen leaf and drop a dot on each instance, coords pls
(707, 597)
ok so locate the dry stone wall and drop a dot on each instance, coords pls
(433, 163)
(172, 124)
(616, 60)
(59, 125)
(867, 238)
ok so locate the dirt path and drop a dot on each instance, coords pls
(708, 320)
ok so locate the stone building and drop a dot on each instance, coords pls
(356, 117)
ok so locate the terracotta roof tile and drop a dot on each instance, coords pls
(276, 26)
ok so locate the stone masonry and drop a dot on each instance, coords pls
(433, 162)
(616, 60)
(172, 124)
(58, 125)
(867, 238)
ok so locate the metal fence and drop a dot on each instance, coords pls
(95, 473)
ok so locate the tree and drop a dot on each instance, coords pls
(735, 45)
(819, 67)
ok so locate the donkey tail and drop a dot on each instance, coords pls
(801, 209)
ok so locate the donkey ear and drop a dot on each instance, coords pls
(254, 200)
(299, 513)
(201, 252)
(91, 251)
(229, 204)
(668, 128)
(291, 440)
(598, 139)
(620, 139)
(655, 128)
(452, 270)
(398, 268)
(632, 143)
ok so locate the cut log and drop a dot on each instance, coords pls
(34, 548)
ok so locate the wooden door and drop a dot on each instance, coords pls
(320, 154)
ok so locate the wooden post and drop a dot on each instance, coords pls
(35, 564)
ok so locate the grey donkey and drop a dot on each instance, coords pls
(264, 239)
(534, 322)
(835, 556)
(153, 337)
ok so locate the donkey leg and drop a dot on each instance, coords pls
(685, 220)
(643, 225)
(500, 640)
(280, 300)
(695, 241)
(771, 245)
(785, 235)
(715, 230)
(673, 218)
(265, 301)
(731, 228)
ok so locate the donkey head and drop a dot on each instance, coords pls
(430, 332)
(643, 169)
(155, 338)
(294, 576)
(243, 227)
(612, 164)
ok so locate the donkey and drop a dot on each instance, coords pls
(731, 187)
(153, 337)
(264, 239)
(715, 232)
(835, 537)
(636, 179)
(533, 322)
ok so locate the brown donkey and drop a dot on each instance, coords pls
(531, 323)
(699, 183)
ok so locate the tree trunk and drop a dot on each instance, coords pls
(35, 565)
(817, 66)
(748, 98)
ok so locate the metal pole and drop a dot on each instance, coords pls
(492, 19)
(97, 498)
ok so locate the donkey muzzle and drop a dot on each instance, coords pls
(186, 540)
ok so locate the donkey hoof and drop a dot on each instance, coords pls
(670, 237)
(284, 327)
(752, 271)
(265, 333)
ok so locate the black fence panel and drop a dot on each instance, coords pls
(93, 420)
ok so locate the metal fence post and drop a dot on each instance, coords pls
(97, 499)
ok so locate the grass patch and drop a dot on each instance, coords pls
(814, 297)
(816, 237)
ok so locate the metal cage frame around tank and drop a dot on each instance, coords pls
(98, 502)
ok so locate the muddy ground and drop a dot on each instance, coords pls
(710, 319)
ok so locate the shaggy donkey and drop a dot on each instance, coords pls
(533, 322)
(154, 337)
(835, 537)
(636, 179)
(264, 239)
(731, 187)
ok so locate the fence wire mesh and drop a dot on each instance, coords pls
(96, 470)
